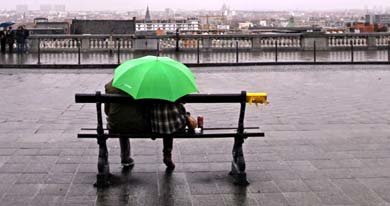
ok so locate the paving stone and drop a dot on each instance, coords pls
(334, 198)
(321, 185)
(46, 200)
(27, 190)
(16, 200)
(207, 200)
(59, 178)
(54, 189)
(64, 168)
(302, 198)
(381, 186)
(286, 185)
(7, 152)
(272, 199)
(12, 168)
(9, 178)
(81, 190)
(313, 152)
(31, 179)
(358, 192)
(231, 199)
(264, 187)
(69, 159)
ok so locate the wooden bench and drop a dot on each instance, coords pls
(239, 134)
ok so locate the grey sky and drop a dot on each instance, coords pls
(201, 4)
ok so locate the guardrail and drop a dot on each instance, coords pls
(235, 48)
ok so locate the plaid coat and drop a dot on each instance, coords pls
(167, 117)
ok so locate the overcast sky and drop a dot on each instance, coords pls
(201, 4)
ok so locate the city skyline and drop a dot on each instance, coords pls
(126, 5)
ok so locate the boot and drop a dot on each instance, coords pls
(126, 160)
(168, 160)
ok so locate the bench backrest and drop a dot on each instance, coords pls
(241, 98)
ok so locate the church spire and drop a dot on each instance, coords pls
(147, 15)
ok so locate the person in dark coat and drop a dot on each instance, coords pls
(125, 118)
(26, 34)
(2, 41)
(10, 39)
(20, 40)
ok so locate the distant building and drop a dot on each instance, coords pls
(359, 27)
(46, 31)
(245, 25)
(210, 22)
(378, 19)
(58, 27)
(40, 20)
(190, 24)
(102, 26)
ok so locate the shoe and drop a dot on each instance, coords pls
(128, 162)
(169, 163)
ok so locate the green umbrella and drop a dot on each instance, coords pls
(153, 77)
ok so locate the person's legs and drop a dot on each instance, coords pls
(19, 48)
(2, 46)
(126, 160)
(10, 47)
(167, 152)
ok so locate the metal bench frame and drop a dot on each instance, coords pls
(238, 162)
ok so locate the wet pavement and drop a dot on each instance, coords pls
(191, 57)
(327, 141)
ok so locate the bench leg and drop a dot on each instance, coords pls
(238, 163)
(102, 178)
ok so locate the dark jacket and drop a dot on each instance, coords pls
(10, 36)
(126, 118)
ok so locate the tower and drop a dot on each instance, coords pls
(147, 15)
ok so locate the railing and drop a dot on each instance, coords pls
(309, 47)
(300, 41)
(364, 40)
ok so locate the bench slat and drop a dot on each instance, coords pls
(190, 98)
(181, 136)
(206, 128)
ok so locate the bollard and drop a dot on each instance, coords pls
(315, 51)
(39, 51)
(79, 51)
(388, 51)
(158, 47)
(236, 51)
(352, 57)
(276, 51)
(119, 51)
(197, 50)
(177, 40)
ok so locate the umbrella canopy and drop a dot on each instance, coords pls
(153, 77)
(7, 24)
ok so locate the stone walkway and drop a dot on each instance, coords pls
(327, 141)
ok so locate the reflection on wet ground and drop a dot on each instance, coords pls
(191, 57)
